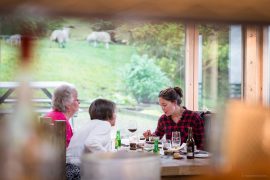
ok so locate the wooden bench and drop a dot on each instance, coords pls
(39, 100)
(36, 110)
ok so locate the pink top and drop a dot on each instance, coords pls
(57, 115)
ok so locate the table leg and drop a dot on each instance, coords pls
(47, 92)
(4, 97)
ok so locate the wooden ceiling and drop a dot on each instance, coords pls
(234, 11)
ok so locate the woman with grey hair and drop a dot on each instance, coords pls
(65, 104)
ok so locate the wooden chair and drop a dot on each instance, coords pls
(207, 117)
(56, 133)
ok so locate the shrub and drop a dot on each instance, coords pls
(163, 41)
(144, 79)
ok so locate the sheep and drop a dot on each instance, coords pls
(99, 37)
(61, 36)
(14, 39)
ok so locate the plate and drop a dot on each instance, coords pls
(152, 142)
(201, 155)
(185, 151)
(148, 149)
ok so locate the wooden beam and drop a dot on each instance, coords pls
(253, 64)
(191, 64)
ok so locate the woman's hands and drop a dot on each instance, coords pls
(147, 133)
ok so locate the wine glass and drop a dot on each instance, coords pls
(166, 144)
(176, 139)
(132, 128)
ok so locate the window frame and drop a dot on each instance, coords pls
(255, 65)
(266, 65)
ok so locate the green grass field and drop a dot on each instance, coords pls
(95, 71)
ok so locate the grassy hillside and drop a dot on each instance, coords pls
(95, 71)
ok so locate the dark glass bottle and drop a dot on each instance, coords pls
(190, 144)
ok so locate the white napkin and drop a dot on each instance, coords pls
(183, 147)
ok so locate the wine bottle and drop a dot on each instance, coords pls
(190, 144)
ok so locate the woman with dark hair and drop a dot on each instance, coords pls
(177, 118)
(95, 136)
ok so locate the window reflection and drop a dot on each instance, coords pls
(220, 64)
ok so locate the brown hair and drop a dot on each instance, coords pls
(102, 109)
(172, 94)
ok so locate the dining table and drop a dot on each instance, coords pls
(176, 168)
(172, 168)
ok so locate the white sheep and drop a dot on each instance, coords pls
(61, 36)
(103, 37)
(14, 39)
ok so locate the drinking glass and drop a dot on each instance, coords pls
(167, 144)
(132, 128)
(176, 139)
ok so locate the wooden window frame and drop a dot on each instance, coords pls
(253, 62)
(191, 66)
(266, 66)
(256, 65)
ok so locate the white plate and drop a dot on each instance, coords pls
(148, 149)
(201, 155)
(185, 151)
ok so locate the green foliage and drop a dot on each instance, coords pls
(215, 36)
(101, 25)
(55, 24)
(165, 43)
(144, 79)
(33, 25)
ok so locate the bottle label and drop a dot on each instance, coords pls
(190, 151)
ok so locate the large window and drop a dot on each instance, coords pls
(219, 64)
(140, 59)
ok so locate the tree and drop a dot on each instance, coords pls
(144, 79)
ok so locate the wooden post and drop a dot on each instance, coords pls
(191, 74)
(253, 64)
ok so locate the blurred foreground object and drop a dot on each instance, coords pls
(120, 165)
(207, 10)
(27, 152)
(246, 143)
(244, 140)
